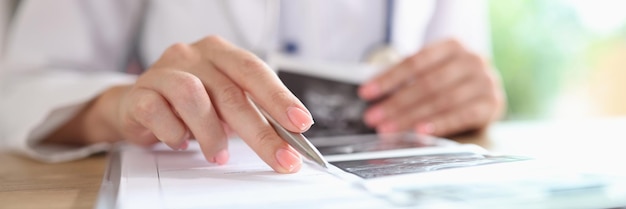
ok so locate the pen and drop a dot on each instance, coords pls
(296, 140)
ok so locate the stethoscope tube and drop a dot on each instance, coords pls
(389, 22)
(384, 53)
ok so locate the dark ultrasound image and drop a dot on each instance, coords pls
(371, 143)
(373, 168)
(335, 106)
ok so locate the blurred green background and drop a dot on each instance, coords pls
(561, 59)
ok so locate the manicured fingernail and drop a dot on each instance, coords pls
(184, 145)
(374, 116)
(369, 91)
(425, 128)
(288, 159)
(387, 128)
(299, 118)
(221, 157)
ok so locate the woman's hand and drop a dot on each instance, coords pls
(195, 91)
(442, 90)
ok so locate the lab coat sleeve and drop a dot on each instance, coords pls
(61, 54)
(466, 21)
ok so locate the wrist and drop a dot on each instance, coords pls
(95, 123)
(101, 119)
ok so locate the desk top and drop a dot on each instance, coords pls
(76, 184)
(25, 183)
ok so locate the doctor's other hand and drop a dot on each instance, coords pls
(443, 89)
(196, 91)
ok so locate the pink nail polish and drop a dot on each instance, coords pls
(184, 145)
(389, 127)
(374, 116)
(288, 159)
(370, 91)
(299, 118)
(221, 157)
(425, 128)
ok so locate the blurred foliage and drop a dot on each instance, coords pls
(542, 49)
(535, 44)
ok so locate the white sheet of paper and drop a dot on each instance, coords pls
(161, 178)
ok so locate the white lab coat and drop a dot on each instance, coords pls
(5, 12)
(63, 53)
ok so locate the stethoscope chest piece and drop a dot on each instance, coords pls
(384, 55)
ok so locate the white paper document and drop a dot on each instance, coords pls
(161, 178)
(426, 177)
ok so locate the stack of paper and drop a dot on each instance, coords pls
(439, 173)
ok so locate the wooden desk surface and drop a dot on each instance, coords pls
(25, 183)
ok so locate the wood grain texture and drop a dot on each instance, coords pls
(25, 183)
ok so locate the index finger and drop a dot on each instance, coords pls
(398, 75)
(255, 77)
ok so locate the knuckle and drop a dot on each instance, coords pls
(177, 48)
(180, 51)
(187, 84)
(210, 43)
(283, 97)
(473, 59)
(145, 109)
(212, 40)
(265, 137)
(252, 68)
(252, 65)
(232, 96)
(455, 43)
